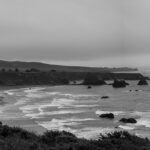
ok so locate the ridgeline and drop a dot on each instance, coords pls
(47, 67)
(35, 73)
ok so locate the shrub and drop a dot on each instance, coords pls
(19, 139)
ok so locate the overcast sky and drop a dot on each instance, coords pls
(76, 32)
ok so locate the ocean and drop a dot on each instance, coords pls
(76, 109)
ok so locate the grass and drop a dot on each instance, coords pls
(14, 138)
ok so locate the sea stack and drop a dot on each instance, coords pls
(92, 79)
(107, 116)
(89, 87)
(119, 84)
(128, 120)
(143, 82)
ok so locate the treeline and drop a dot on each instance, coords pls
(14, 138)
(32, 78)
(20, 70)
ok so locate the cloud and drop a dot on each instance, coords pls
(74, 30)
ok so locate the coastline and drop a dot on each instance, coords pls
(31, 124)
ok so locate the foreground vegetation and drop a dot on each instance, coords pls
(18, 139)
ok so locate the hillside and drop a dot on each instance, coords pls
(47, 67)
(57, 78)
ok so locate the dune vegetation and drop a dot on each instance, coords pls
(14, 138)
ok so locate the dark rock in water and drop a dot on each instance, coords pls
(104, 97)
(89, 87)
(110, 84)
(107, 116)
(143, 82)
(119, 84)
(92, 79)
(128, 120)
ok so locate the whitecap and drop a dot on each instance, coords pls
(93, 132)
(71, 124)
(28, 110)
(86, 106)
(127, 127)
(56, 124)
(62, 102)
(33, 89)
(21, 101)
(42, 114)
(9, 92)
(67, 124)
(144, 121)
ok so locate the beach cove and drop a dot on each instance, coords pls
(76, 109)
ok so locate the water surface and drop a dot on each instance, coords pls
(76, 109)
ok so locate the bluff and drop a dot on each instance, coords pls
(56, 78)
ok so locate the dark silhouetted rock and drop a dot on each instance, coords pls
(107, 116)
(104, 97)
(128, 120)
(119, 84)
(110, 84)
(143, 82)
(92, 79)
(89, 87)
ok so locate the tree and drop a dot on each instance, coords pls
(10, 70)
(16, 70)
(34, 70)
(3, 70)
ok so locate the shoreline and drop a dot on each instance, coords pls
(30, 124)
(9, 87)
(25, 123)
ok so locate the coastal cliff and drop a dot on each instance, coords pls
(57, 78)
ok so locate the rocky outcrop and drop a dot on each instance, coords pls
(119, 84)
(104, 97)
(128, 120)
(89, 87)
(107, 116)
(92, 79)
(143, 82)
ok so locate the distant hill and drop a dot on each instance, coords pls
(47, 67)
